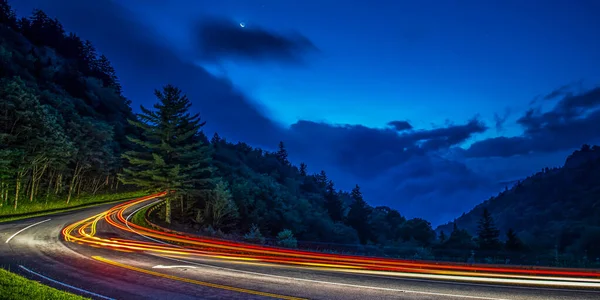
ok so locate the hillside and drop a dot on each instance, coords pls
(64, 122)
(555, 209)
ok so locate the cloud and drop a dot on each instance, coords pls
(499, 120)
(366, 152)
(400, 125)
(573, 121)
(221, 38)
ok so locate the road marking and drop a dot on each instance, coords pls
(341, 284)
(207, 284)
(172, 267)
(64, 284)
(15, 234)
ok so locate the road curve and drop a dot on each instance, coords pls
(103, 258)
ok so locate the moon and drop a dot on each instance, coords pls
(242, 24)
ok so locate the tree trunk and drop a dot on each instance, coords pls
(58, 183)
(18, 188)
(168, 211)
(73, 182)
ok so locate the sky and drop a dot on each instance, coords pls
(427, 105)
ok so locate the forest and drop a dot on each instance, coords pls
(67, 132)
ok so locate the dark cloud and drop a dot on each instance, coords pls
(573, 121)
(220, 38)
(499, 120)
(367, 152)
(400, 125)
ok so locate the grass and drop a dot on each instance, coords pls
(40, 208)
(15, 287)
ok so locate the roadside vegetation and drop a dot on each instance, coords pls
(42, 208)
(15, 287)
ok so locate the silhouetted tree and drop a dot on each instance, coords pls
(303, 169)
(358, 216)
(487, 233)
(282, 154)
(170, 159)
(333, 203)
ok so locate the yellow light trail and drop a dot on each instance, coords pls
(84, 232)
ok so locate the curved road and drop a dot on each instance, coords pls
(36, 249)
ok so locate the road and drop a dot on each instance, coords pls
(103, 261)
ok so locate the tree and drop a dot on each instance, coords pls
(216, 139)
(442, 237)
(170, 157)
(7, 14)
(333, 203)
(303, 169)
(513, 243)
(282, 155)
(487, 233)
(358, 216)
(219, 212)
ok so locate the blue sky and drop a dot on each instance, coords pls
(455, 70)
(424, 61)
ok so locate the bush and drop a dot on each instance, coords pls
(254, 235)
(286, 239)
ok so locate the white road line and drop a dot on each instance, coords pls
(171, 267)
(15, 234)
(64, 284)
(333, 283)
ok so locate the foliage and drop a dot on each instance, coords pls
(286, 238)
(170, 156)
(15, 287)
(254, 235)
(63, 121)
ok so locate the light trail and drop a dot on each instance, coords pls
(174, 243)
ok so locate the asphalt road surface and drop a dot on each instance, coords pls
(35, 249)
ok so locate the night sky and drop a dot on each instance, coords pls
(428, 105)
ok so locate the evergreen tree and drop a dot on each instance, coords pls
(282, 154)
(321, 179)
(442, 237)
(333, 203)
(513, 243)
(7, 14)
(170, 157)
(358, 216)
(216, 139)
(303, 169)
(487, 233)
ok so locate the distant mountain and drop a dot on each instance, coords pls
(555, 209)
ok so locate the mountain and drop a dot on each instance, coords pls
(555, 209)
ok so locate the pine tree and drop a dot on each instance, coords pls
(282, 154)
(333, 203)
(216, 139)
(171, 157)
(7, 14)
(487, 233)
(303, 169)
(513, 243)
(358, 216)
(322, 179)
(442, 237)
